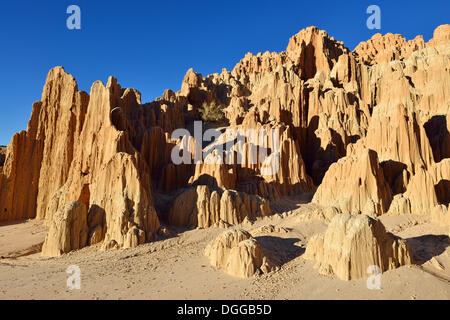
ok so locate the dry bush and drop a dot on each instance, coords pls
(211, 112)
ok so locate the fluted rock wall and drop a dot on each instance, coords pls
(408, 128)
(202, 208)
(38, 160)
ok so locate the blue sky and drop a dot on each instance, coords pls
(149, 45)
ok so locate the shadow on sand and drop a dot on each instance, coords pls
(280, 250)
(425, 247)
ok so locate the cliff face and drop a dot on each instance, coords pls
(408, 127)
(368, 129)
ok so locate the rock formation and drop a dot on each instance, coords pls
(368, 130)
(238, 254)
(202, 208)
(324, 214)
(441, 216)
(358, 185)
(408, 128)
(2, 155)
(68, 230)
(352, 243)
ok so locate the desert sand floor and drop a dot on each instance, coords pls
(175, 268)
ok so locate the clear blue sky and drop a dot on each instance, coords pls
(149, 45)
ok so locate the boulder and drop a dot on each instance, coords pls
(353, 243)
(238, 253)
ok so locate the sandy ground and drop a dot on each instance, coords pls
(175, 268)
(21, 238)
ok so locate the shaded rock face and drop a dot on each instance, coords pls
(2, 155)
(238, 253)
(368, 129)
(352, 244)
(68, 230)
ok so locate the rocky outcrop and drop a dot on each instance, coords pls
(29, 179)
(98, 163)
(202, 208)
(68, 230)
(356, 185)
(408, 127)
(238, 254)
(426, 190)
(352, 243)
(122, 192)
(440, 35)
(111, 178)
(390, 47)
